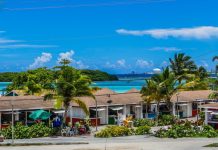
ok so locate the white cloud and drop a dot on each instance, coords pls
(25, 46)
(166, 49)
(121, 63)
(67, 55)
(202, 32)
(14, 44)
(164, 64)
(204, 64)
(41, 60)
(80, 65)
(157, 70)
(143, 63)
(4, 41)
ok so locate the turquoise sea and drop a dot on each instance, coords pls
(120, 86)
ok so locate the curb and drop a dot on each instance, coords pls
(41, 144)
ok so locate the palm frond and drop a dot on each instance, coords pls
(81, 105)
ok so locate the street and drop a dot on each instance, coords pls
(119, 143)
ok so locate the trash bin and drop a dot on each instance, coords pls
(111, 120)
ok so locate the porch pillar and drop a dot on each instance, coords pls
(107, 115)
(141, 110)
(0, 120)
(17, 116)
(26, 118)
(206, 116)
(174, 109)
(124, 111)
(71, 115)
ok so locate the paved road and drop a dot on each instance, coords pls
(120, 143)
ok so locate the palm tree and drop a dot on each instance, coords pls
(167, 84)
(214, 59)
(69, 86)
(182, 66)
(152, 92)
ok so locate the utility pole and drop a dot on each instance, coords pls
(12, 119)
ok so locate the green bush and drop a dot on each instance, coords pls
(114, 131)
(209, 131)
(186, 129)
(142, 130)
(166, 120)
(143, 122)
(25, 132)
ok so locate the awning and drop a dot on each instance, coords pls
(182, 104)
(58, 111)
(214, 113)
(98, 109)
(117, 108)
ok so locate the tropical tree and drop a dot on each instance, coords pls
(152, 93)
(70, 85)
(182, 66)
(159, 88)
(33, 81)
(167, 83)
(202, 73)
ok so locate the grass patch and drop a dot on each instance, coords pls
(212, 145)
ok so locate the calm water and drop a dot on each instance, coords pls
(117, 86)
(120, 86)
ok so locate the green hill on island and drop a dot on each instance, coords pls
(95, 75)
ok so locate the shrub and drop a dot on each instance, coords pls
(166, 120)
(142, 130)
(186, 129)
(25, 132)
(209, 131)
(143, 122)
(114, 131)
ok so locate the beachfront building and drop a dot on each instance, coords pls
(186, 103)
(211, 114)
(110, 106)
(22, 106)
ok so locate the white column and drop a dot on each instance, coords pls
(124, 110)
(141, 110)
(71, 115)
(0, 120)
(17, 116)
(174, 109)
(206, 116)
(107, 115)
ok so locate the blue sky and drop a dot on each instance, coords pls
(116, 36)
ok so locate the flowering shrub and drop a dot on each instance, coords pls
(25, 132)
(115, 131)
(187, 130)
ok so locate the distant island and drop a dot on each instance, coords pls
(95, 75)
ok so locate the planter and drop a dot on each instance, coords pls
(1, 139)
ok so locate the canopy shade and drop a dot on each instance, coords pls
(117, 108)
(98, 109)
(40, 114)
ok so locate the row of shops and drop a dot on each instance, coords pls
(110, 107)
